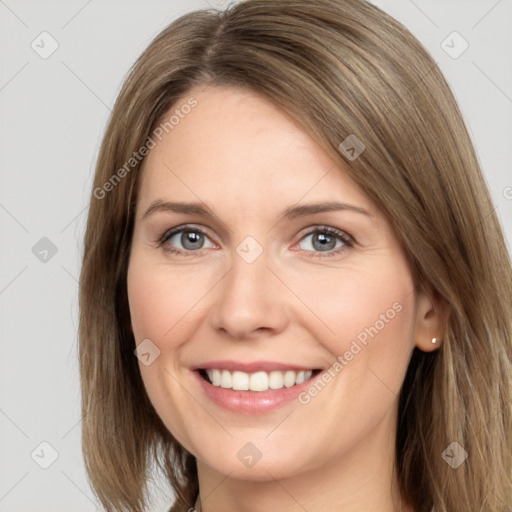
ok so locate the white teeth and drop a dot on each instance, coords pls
(225, 379)
(214, 376)
(259, 381)
(275, 380)
(239, 381)
(289, 378)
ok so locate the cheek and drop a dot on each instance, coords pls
(365, 316)
(349, 300)
(161, 308)
(162, 299)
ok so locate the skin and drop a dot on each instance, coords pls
(248, 161)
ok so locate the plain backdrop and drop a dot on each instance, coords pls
(53, 113)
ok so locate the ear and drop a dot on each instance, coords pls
(430, 322)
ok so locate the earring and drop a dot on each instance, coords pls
(434, 340)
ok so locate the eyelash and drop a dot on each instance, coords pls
(347, 240)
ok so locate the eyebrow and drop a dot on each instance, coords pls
(292, 212)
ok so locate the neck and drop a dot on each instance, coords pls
(362, 478)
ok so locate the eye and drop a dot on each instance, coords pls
(324, 240)
(191, 239)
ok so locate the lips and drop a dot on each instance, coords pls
(253, 387)
(250, 401)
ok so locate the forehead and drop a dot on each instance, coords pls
(236, 144)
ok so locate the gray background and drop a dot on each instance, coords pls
(53, 113)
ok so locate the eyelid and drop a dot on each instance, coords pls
(325, 228)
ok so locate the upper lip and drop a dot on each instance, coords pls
(250, 367)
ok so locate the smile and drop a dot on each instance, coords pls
(258, 381)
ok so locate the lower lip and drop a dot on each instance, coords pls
(252, 402)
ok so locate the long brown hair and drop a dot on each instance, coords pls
(340, 68)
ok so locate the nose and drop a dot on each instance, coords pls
(250, 300)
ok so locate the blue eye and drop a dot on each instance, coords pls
(325, 241)
(191, 239)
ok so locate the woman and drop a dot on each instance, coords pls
(290, 231)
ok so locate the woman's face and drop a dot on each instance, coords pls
(265, 288)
